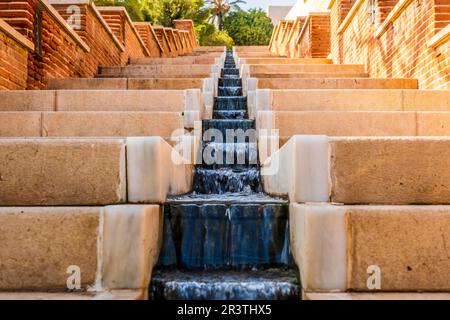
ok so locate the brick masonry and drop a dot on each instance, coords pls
(356, 33)
(100, 37)
(14, 57)
(401, 51)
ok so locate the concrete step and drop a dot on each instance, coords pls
(303, 68)
(110, 248)
(351, 99)
(363, 170)
(351, 83)
(164, 71)
(355, 123)
(90, 124)
(124, 84)
(371, 248)
(309, 75)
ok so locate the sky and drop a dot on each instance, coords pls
(265, 3)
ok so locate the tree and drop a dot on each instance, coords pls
(250, 28)
(139, 10)
(220, 8)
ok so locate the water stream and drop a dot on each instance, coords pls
(227, 239)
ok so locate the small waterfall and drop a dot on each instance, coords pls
(227, 239)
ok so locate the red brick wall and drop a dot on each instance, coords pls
(315, 38)
(187, 25)
(104, 51)
(150, 39)
(13, 66)
(172, 42)
(164, 41)
(124, 30)
(401, 52)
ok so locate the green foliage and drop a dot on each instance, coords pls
(250, 28)
(179, 9)
(139, 10)
(215, 38)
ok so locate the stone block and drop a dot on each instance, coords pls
(38, 172)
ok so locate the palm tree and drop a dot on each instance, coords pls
(219, 8)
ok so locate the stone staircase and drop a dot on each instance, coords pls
(368, 214)
(85, 172)
(88, 178)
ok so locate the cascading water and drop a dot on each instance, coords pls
(227, 239)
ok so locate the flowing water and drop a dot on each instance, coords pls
(227, 239)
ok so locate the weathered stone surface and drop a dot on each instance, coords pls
(430, 100)
(339, 123)
(39, 244)
(130, 245)
(433, 123)
(334, 245)
(322, 100)
(111, 124)
(285, 61)
(121, 100)
(309, 75)
(319, 246)
(165, 84)
(355, 83)
(345, 68)
(407, 243)
(106, 295)
(87, 84)
(20, 124)
(32, 100)
(376, 296)
(156, 170)
(390, 170)
(62, 172)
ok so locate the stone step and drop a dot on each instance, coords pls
(62, 172)
(125, 83)
(77, 296)
(309, 75)
(351, 83)
(341, 248)
(94, 171)
(102, 100)
(359, 170)
(113, 247)
(171, 61)
(355, 123)
(303, 68)
(163, 71)
(352, 99)
(271, 61)
(223, 236)
(273, 284)
(366, 296)
(91, 124)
